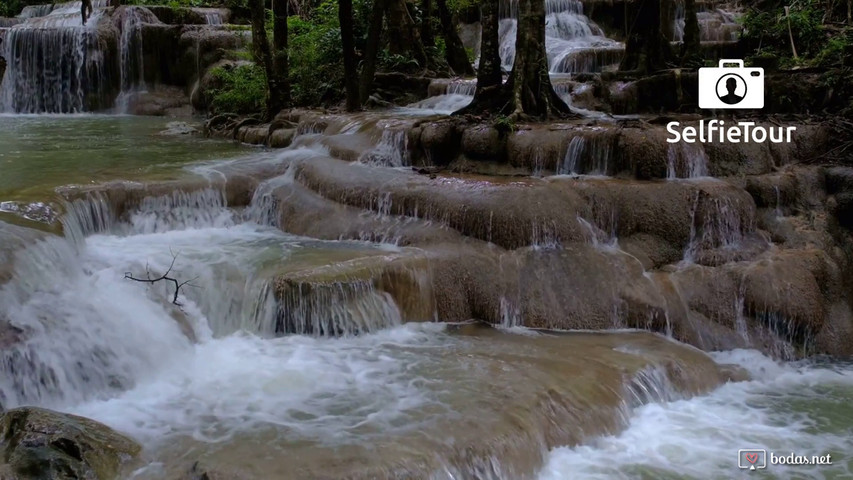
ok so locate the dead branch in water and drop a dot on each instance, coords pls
(164, 277)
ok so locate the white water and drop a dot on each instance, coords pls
(53, 62)
(573, 42)
(90, 333)
(391, 151)
(714, 25)
(131, 49)
(686, 160)
(322, 389)
(785, 408)
(589, 152)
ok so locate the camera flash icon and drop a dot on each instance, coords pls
(752, 459)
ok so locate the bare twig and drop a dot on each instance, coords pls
(164, 277)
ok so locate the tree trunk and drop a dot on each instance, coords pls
(371, 51)
(426, 24)
(691, 49)
(263, 56)
(281, 64)
(350, 64)
(646, 49)
(403, 34)
(529, 83)
(489, 73)
(457, 58)
(528, 93)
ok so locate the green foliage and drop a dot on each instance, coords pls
(504, 124)
(316, 70)
(241, 89)
(11, 8)
(245, 55)
(766, 30)
(316, 66)
(397, 62)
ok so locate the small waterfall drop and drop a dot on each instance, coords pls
(686, 160)
(212, 16)
(130, 47)
(391, 151)
(588, 153)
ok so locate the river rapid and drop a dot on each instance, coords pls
(216, 381)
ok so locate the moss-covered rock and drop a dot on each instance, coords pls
(36, 443)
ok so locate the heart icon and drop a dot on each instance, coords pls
(751, 457)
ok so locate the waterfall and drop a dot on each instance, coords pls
(55, 64)
(572, 41)
(391, 151)
(130, 47)
(716, 222)
(462, 87)
(180, 211)
(212, 16)
(686, 160)
(335, 309)
(35, 11)
(588, 153)
(714, 25)
(679, 22)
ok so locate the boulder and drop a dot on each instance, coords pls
(483, 142)
(282, 137)
(43, 444)
(162, 101)
(440, 141)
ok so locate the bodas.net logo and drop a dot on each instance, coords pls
(730, 85)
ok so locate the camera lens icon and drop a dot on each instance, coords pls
(731, 86)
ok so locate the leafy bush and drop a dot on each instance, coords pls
(504, 125)
(766, 30)
(316, 70)
(240, 89)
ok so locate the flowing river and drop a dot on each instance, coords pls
(337, 384)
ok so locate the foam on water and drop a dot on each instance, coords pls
(799, 408)
(323, 389)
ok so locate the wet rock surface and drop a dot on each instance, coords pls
(43, 444)
(716, 262)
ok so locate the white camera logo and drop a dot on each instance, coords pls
(731, 87)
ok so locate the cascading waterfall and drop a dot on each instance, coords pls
(55, 64)
(69, 295)
(714, 25)
(34, 11)
(573, 44)
(572, 41)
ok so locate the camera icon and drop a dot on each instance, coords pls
(731, 87)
